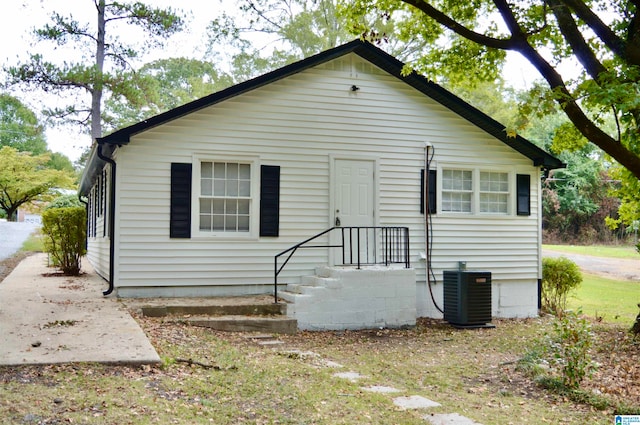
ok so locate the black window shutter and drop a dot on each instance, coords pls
(94, 231)
(92, 206)
(180, 215)
(99, 198)
(269, 200)
(523, 190)
(103, 206)
(432, 191)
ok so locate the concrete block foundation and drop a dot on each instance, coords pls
(346, 298)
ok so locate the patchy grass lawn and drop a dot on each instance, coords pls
(474, 373)
(613, 301)
(471, 372)
(34, 243)
(624, 252)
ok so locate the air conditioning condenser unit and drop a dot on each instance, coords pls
(467, 298)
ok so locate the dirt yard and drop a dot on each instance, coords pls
(474, 373)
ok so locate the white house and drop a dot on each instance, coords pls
(198, 200)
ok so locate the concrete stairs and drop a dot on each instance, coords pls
(310, 286)
(338, 298)
(234, 314)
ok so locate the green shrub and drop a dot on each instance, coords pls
(65, 201)
(559, 276)
(569, 349)
(64, 231)
(561, 359)
(635, 329)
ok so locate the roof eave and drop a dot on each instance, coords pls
(370, 53)
(123, 136)
(394, 67)
(94, 167)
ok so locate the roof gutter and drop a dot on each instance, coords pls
(112, 215)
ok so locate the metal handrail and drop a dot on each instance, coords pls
(394, 249)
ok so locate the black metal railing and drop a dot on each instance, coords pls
(361, 246)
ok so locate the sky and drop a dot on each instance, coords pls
(20, 17)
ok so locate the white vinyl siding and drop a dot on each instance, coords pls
(98, 211)
(298, 123)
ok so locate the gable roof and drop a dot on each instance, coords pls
(363, 49)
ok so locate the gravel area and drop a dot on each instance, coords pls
(612, 268)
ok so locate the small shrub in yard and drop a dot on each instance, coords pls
(559, 277)
(562, 359)
(569, 348)
(64, 231)
(635, 329)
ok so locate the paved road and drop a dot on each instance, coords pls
(613, 268)
(12, 236)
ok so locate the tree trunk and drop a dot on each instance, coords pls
(96, 94)
(12, 214)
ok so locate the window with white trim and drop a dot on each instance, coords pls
(457, 190)
(494, 192)
(476, 191)
(225, 204)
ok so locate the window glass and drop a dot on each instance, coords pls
(207, 170)
(225, 197)
(494, 192)
(457, 190)
(460, 191)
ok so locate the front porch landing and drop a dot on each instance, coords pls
(339, 298)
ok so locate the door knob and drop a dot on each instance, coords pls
(337, 221)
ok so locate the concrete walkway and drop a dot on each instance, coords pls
(47, 319)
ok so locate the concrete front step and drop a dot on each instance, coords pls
(216, 306)
(317, 281)
(240, 314)
(304, 289)
(272, 324)
(291, 297)
(214, 310)
(324, 271)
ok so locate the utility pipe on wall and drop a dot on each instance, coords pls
(429, 152)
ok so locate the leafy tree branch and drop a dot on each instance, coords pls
(565, 28)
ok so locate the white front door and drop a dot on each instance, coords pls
(353, 200)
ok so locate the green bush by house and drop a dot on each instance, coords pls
(65, 201)
(559, 276)
(65, 231)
